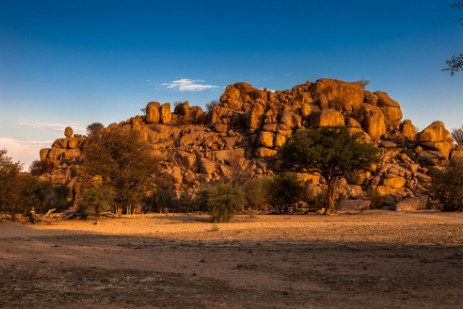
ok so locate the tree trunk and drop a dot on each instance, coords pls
(331, 196)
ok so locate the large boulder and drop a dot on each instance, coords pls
(353, 205)
(327, 117)
(256, 116)
(339, 95)
(436, 137)
(44, 153)
(152, 112)
(390, 108)
(373, 121)
(231, 98)
(410, 204)
(265, 139)
(435, 132)
(68, 132)
(165, 116)
(408, 130)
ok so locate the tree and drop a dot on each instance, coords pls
(457, 135)
(447, 186)
(455, 63)
(96, 199)
(94, 128)
(331, 151)
(285, 190)
(121, 161)
(9, 183)
(222, 201)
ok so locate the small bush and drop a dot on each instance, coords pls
(256, 192)
(447, 187)
(222, 201)
(95, 200)
(284, 191)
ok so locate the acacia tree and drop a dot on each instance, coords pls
(122, 162)
(455, 63)
(331, 151)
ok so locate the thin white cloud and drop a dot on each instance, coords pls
(186, 84)
(56, 127)
(23, 151)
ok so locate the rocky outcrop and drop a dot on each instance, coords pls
(242, 134)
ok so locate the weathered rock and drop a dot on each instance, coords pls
(68, 132)
(256, 116)
(353, 205)
(339, 95)
(165, 116)
(152, 112)
(394, 182)
(265, 139)
(373, 121)
(410, 204)
(231, 98)
(327, 117)
(280, 140)
(408, 130)
(390, 108)
(263, 152)
(44, 154)
(435, 132)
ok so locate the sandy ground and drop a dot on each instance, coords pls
(376, 259)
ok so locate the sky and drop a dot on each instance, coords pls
(74, 62)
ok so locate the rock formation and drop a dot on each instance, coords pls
(246, 129)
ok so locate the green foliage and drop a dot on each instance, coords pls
(122, 162)
(39, 167)
(447, 187)
(10, 190)
(164, 195)
(331, 151)
(284, 190)
(94, 128)
(457, 135)
(256, 192)
(455, 63)
(94, 200)
(222, 201)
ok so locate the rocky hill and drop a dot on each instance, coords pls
(245, 130)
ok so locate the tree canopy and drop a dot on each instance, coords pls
(122, 161)
(455, 63)
(331, 151)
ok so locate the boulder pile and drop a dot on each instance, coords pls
(245, 130)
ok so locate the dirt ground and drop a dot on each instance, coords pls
(376, 259)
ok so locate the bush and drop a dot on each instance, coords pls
(284, 191)
(95, 200)
(447, 187)
(222, 201)
(256, 192)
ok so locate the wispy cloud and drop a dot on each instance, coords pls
(186, 84)
(23, 151)
(56, 127)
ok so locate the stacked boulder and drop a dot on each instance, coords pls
(242, 134)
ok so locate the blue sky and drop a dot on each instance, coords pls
(75, 62)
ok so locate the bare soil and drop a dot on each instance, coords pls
(376, 259)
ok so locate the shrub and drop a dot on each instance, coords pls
(447, 187)
(256, 192)
(95, 200)
(284, 191)
(222, 201)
